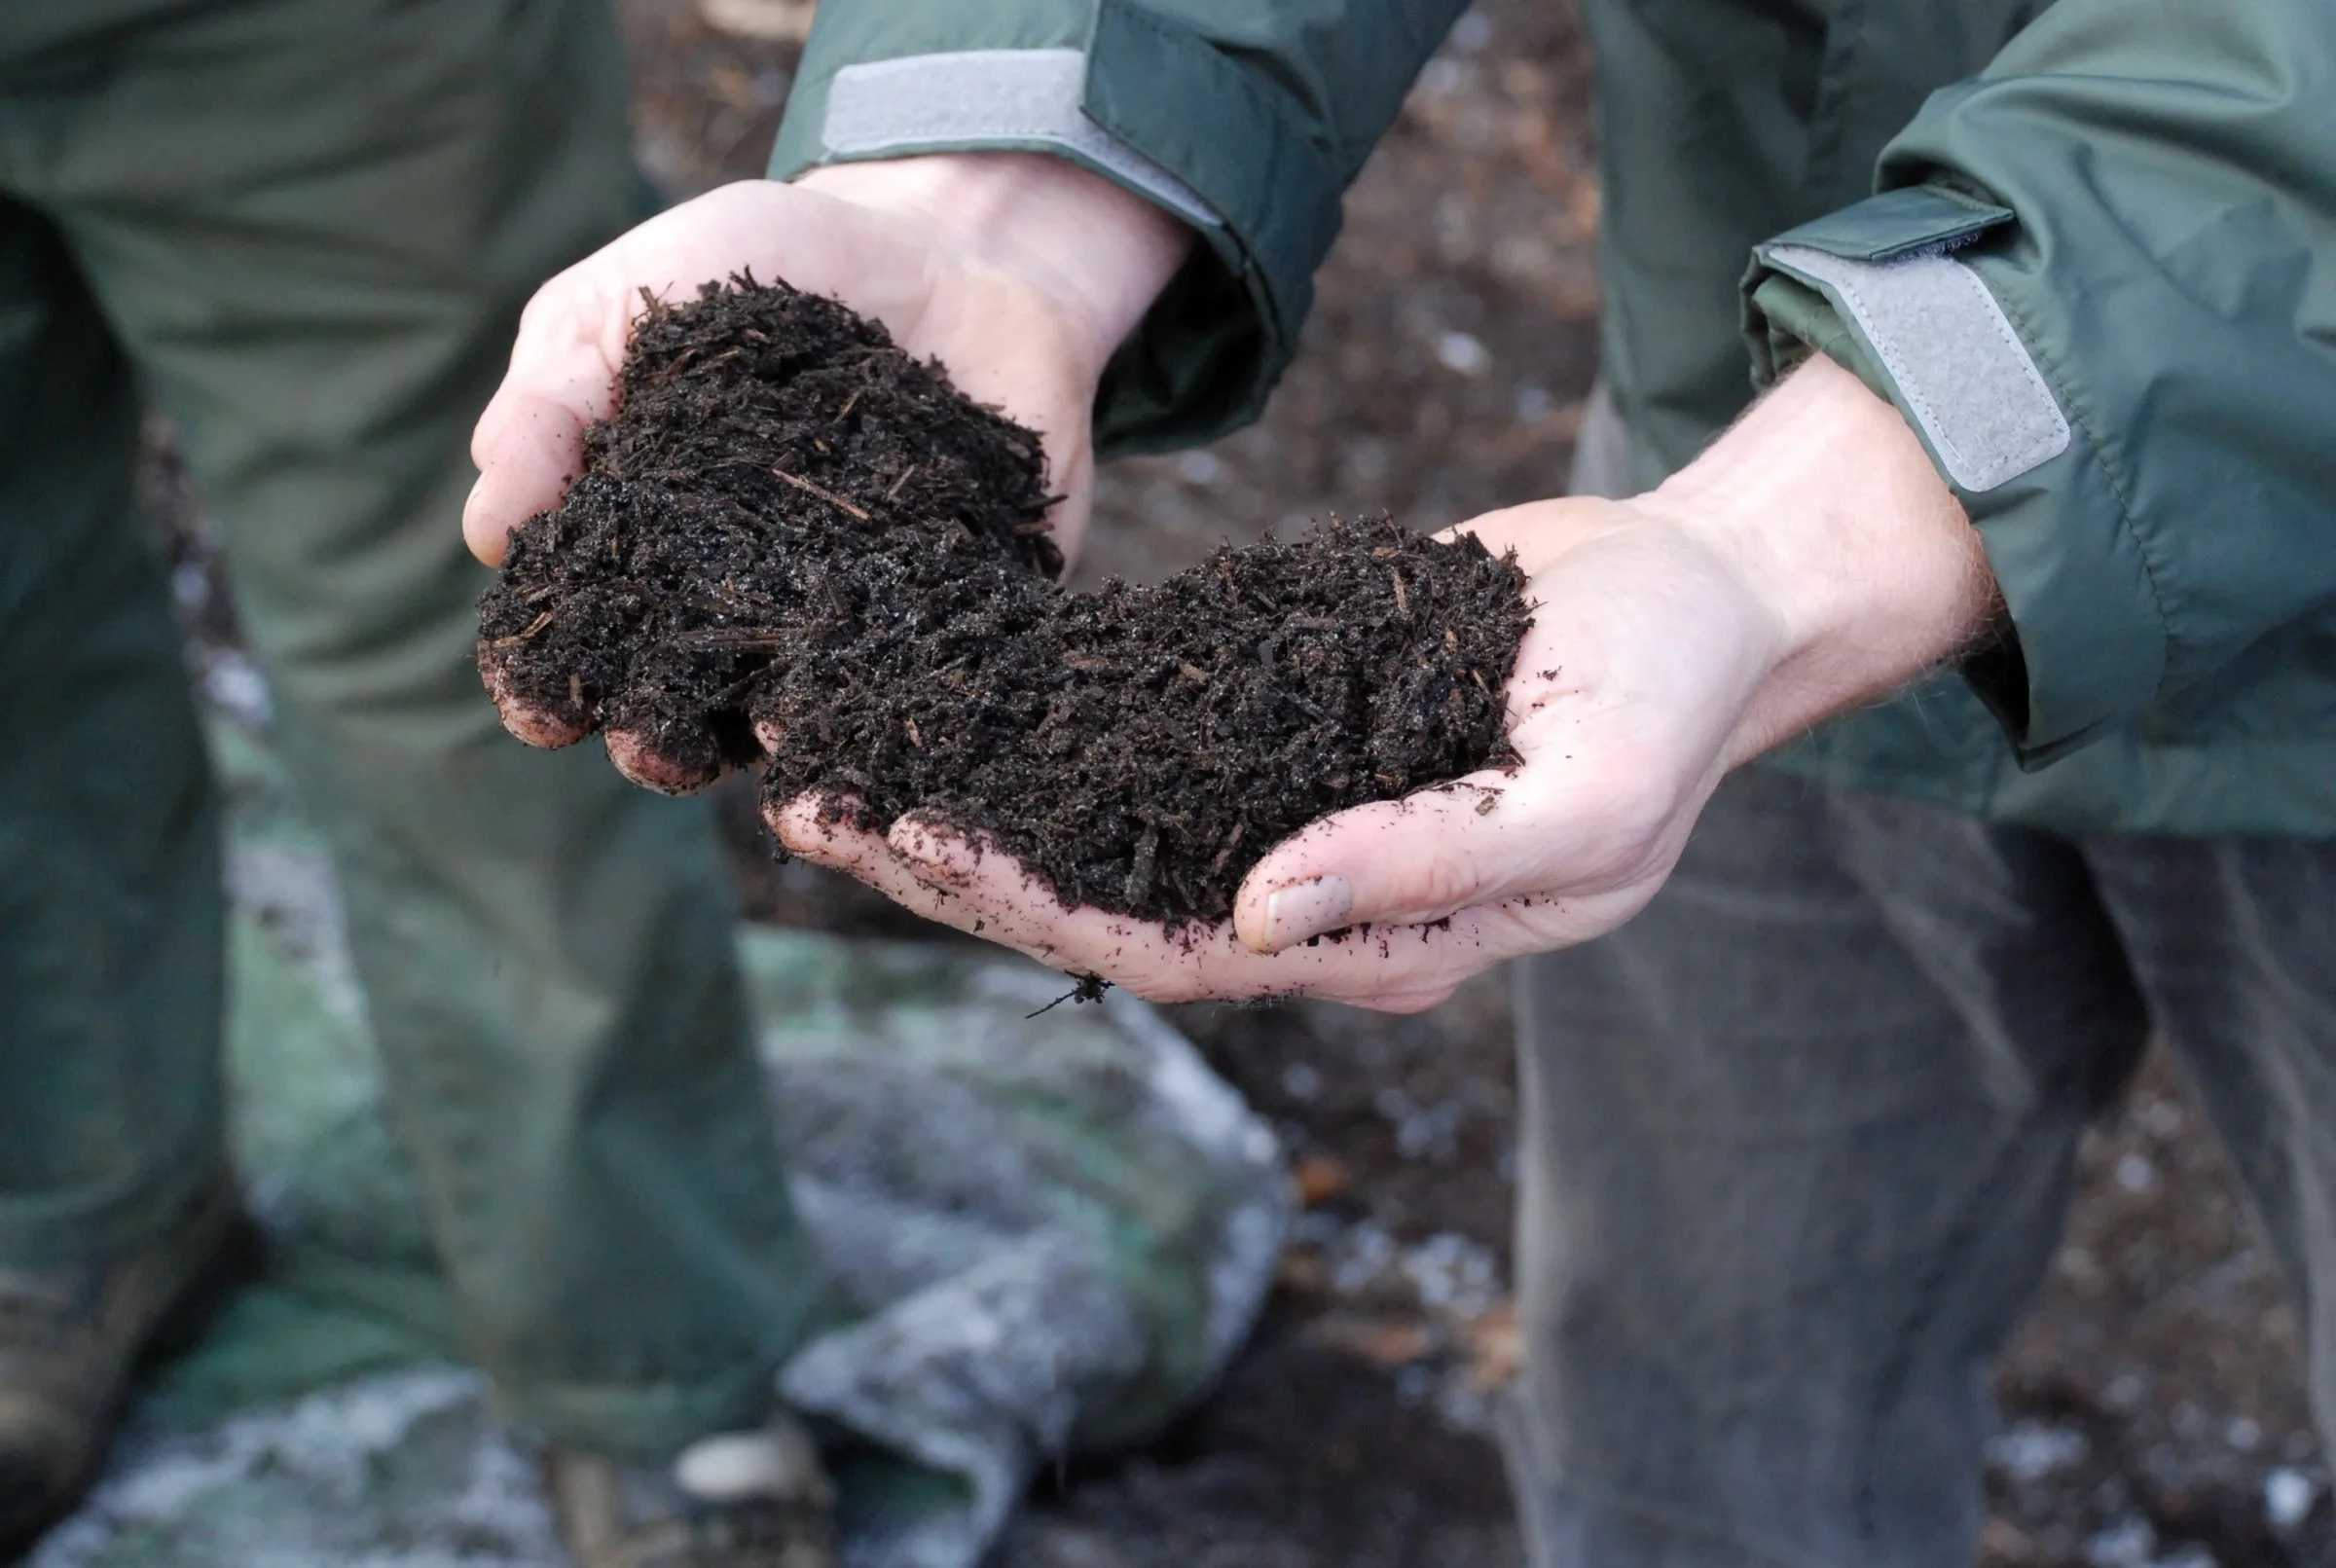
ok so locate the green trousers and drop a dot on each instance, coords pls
(306, 228)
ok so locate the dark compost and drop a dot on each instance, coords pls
(793, 532)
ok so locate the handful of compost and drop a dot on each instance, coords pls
(794, 544)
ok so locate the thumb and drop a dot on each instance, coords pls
(529, 439)
(1399, 862)
(528, 449)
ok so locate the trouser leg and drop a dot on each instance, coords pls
(110, 921)
(324, 293)
(2234, 941)
(1796, 1150)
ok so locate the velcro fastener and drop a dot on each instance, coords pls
(988, 96)
(1960, 369)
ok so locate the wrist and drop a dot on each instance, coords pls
(1099, 254)
(1825, 505)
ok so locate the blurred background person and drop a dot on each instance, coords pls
(306, 228)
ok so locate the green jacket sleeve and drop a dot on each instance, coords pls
(1246, 118)
(2101, 282)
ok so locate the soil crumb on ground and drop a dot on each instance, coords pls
(794, 537)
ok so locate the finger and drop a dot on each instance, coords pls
(946, 878)
(533, 449)
(942, 874)
(1398, 862)
(663, 765)
(1540, 532)
(826, 833)
(531, 722)
(529, 439)
(804, 830)
(939, 855)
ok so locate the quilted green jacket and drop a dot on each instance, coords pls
(2088, 248)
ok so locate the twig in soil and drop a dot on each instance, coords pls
(823, 492)
(679, 363)
(534, 626)
(1232, 842)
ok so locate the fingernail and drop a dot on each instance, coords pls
(472, 499)
(1306, 909)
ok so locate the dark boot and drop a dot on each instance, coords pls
(70, 1338)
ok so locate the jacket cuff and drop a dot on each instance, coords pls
(1139, 100)
(1896, 289)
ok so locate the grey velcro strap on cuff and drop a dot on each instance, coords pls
(988, 96)
(1960, 368)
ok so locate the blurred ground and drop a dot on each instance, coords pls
(2153, 1407)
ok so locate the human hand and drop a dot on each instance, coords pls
(1021, 272)
(1811, 561)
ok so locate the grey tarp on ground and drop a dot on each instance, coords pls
(1044, 1235)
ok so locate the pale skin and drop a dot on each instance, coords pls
(1811, 561)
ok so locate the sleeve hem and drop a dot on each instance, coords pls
(1157, 110)
(2090, 640)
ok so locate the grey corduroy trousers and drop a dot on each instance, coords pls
(1798, 1149)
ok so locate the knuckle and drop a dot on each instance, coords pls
(1434, 886)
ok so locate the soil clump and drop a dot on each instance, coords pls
(792, 537)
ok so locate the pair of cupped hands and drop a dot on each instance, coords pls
(1809, 560)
